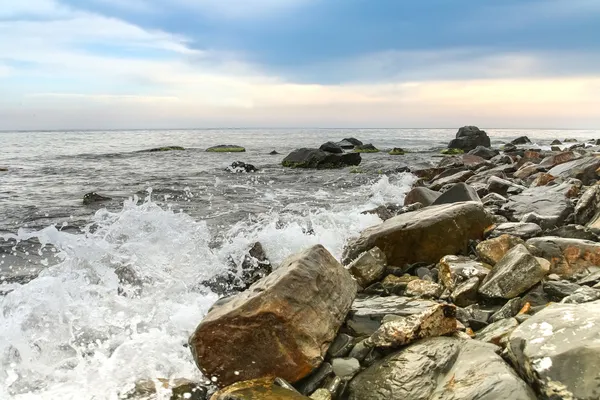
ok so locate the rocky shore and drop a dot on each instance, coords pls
(484, 285)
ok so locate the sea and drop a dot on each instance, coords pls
(68, 330)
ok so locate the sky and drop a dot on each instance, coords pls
(120, 64)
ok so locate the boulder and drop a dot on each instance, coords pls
(526, 170)
(511, 148)
(93, 197)
(319, 159)
(263, 389)
(331, 147)
(369, 267)
(583, 169)
(281, 326)
(460, 176)
(440, 368)
(582, 295)
(522, 230)
(349, 143)
(457, 193)
(498, 332)
(521, 140)
(493, 250)
(425, 235)
(557, 159)
(484, 152)
(556, 142)
(573, 231)
(421, 195)
(465, 293)
(468, 138)
(568, 257)
(226, 148)
(239, 166)
(502, 186)
(557, 351)
(454, 270)
(516, 272)
(366, 148)
(588, 205)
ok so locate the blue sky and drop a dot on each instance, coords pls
(390, 63)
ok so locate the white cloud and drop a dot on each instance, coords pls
(242, 9)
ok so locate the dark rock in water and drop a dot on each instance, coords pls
(509, 148)
(556, 142)
(93, 197)
(180, 389)
(523, 230)
(366, 148)
(369, 267)
(556, 351)
(484, 152)
(555, 148)
(226, 148)
(331, 147)
(459, 192)
(521, 140)
(588, 205)
(421, 195)
(425, 235)
(568, 257)
(304, 301)
(273, 153)
(559, 290)
(352, 142)
(263, 389)
(583, 169)
(514, 274)
(468, 138)
(397, 151)
(166, 148)
(573, 232)
(491, 251)
(389, 210)
(509, 310)
(441, 368)
(239, 166)
(319, 159)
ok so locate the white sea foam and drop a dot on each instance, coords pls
(69, 334)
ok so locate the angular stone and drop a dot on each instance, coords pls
(542, 179)
(465, 294)
(583, 169)
(522, 230)
(494, 199)
(316, 379)
(452, 179)
(421, 195)
(341, 346)
(454, 270)
(331, 147)
(484, 152)
(501, 186)
(498, 332)
(557, 350)
(263, 389)
(369, 267)
(282, 326)
(516, 272)
(397, 284)
(423, 288)
(441, 368)
(557, 159)
(493, 250)
(438, 320)
(509, 310)
(573, 232)
(93, 197)
(584, 294)
(568, 257)
(321, 394)
(457, 193)
(468, 138)
(425, 235)
(526, 170)
(559, 290)
(345, 368)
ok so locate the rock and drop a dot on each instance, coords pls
(494, 199)
(583, 169)
(498, 332)
(438, 320)
(493, 250)
(425, 235)
(387, 211)
(468, 138)
(369, 267)
(350, 143)
(345, 368)
(521, 140)
(484, 152)
(226, 148)
(397, 284)
(440, 368)
(509, 148)
(331, 147)
(93, 197)
(423, 288)
(286, 385)
(321, 394)
(516, 272)
(239, 166)
(474, 162)
(319, 159)
(556, 149)
(273, 153)
(542, 180)
(457, 193)
(560, 289)
(556, 351)
(421, 195)
(582, 295)
(366, 148)
(567, 257)
(501, 186)
(588, 205)
(557, 159)
(175, 389)
(456, 178)
(573, 232)
(522, 230)
(304, 302)
(590, 280)
(465, 293)
(509, 310)
(454, 270)
(341, 346)
(556, 142)
(316, 379)
(397, 151)
(166, 148)
(263, 389)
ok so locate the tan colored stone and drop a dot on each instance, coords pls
(425, 289)
(257, 389)
(492, 250)
(526, 171)
(454, 270)
(542, 180)
(369, 267)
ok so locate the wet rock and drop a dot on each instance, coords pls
(560, 289)
(583, 169)
(542, 179)
(319, 159)
(321, 394)
(349, 143)
(341, 346)
(493, 250)
(421, 195)
(304, 301)
(397, 151)
(526, 170)
(461, 176)
(425, 235)
(584, 294)
(93, 197)
(397, 284)
(484, 152)
(366, 148)
(498, 332)
(423, 288)
(556, 149)
(166, 148)
(588, 205)
(465, 293)
(509, 310)
(443, 369)
(173, 389)
(454, 270)
(239, 166)
(438, 320)
(345, 368)
(556, 142)
(516, 272)
(457, 193)
(557, 159)
(521, 140)
(510, 148)
(474, 162)
(522, 230)
(468, 138)
(369, 267)
(226, 148)
(568, 257)
(573, 232)
(494, 199)
(556, 351)
(331, 147)
(273, 153)
(316, 379)
(263, 389)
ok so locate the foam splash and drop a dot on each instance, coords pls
(123, 298)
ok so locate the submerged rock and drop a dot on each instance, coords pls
(425, 235)
(166, 148)
(93, 197)
(366, 148)
(304, 302)
(239, 166)
(226, 148)
(319, 159)
(567, 257)
(468, 138)
(397, 151)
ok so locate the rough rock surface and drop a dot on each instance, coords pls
(281, 326)
(240, 166)
(460, 176)
(331, 147)
(425, 235)
(557, 159)
(492, 250)
(557, 351)
(441, 369)
(567, 257)
(588, 205)
(369, 267)
(468, 138)
(319, 159)
(523, 230)
(457, 193)
(454, 270)
(484, 152)
(583, 169)
(498, 332)
(421, 195)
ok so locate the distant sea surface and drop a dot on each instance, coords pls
(176, 218)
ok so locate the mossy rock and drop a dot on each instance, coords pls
(366, 150)
(452, 152)
(356, 170)
(226, 148)
(166, 148)
(396, 151)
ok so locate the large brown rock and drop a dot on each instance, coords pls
(425, 235)
(492, 250)
(282, 326)
(567, 257)
(585, 169)
(557, 159)
(257, 389)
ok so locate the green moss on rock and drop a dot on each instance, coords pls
(166, 148)
(452, 152)
(397, 152)
(226, 149)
